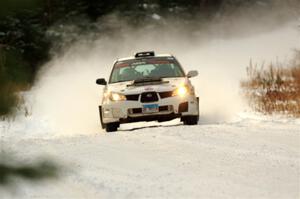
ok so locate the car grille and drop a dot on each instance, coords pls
(164, 108)
(165, 94)
(132, 97)
(145, 98)
(136, 110)
(149, 97)
(183, 107)
(160, 109)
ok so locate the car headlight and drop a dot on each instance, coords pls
(181, 91)
(115, 96)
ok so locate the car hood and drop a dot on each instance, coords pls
(128, 88)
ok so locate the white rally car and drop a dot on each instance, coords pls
(148, 87)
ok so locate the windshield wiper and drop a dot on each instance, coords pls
(122, 81)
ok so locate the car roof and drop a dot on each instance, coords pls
(133, 57)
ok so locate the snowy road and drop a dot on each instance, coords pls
(250, 158)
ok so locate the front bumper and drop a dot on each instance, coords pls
(131, 111)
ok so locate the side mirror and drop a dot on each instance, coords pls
(101, 81)
(192, 73)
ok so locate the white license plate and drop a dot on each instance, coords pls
(150, 108)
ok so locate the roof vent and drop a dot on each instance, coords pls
(145, 54)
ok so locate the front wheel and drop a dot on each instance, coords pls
(190, 120)
(111, 127)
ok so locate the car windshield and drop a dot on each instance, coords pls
(138, 69)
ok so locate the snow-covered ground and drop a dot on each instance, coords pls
(249, 158)
(225, 156)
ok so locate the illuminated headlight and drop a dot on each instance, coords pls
(181, 91)
(115, 96)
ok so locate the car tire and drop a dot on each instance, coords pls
(190, 120)
(112, 127)
(101, 118)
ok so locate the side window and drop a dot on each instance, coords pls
(121, 70)
(176, 70)
(115, 75)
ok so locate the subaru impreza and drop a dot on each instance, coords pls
(148, 87)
